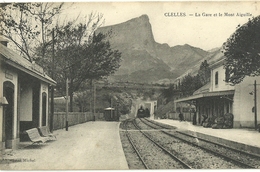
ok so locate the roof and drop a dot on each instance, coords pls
(109, 108)
(206, 94)
(2, 39)
(203, 89)
(219, 62)
(17, 61)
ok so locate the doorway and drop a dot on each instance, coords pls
(8, 90)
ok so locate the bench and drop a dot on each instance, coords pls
(35, 136)
(45, 132)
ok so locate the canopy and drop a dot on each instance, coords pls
(206, 94)
(109, 108)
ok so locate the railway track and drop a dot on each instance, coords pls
(185, 165)
(239, 157)
(133, 145)
(161, 152)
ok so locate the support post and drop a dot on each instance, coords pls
(67, 103)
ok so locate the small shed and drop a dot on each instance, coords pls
(24, 96)
(110, 114)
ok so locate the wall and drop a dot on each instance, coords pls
(10, 75)
(244, 102)
(175, 116)
(26, 103)
(152, 106)
(222, 85)
(44, 89)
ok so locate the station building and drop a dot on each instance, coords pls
(24, 89)
(219, 97)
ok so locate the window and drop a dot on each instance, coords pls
(216, 78)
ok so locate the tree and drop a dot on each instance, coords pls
(204, 72)
(65, 35)
(190, 84)
(124, 108)
(27, 25)
(93, 59)
(148, 94)
(169, 93)
(82, 100)
(242, 51)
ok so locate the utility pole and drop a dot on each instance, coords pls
(94, 99)
(52, 87)
(67, 103)
(111, 107)
(255, 101)
(117, 110)
(91, 99)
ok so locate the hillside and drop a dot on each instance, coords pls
(145, 60)
(211, 57)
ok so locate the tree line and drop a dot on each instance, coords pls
(70, 50)
(189, 84)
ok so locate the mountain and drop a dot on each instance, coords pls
(212, 56)
(181, 57)
(145, 60)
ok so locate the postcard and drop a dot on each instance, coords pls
(119, 85)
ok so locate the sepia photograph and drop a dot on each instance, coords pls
(129, 85)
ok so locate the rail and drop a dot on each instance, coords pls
(186, 166)
(207, 149)
(132, 144)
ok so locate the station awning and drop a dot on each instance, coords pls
(206, 94)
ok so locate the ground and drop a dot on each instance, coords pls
(92, 145)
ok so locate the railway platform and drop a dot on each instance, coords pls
(246, 139)
(88, 146)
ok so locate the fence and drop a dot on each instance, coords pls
(99, 117)
(187, 116)
(74, 118)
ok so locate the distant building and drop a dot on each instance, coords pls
(23, 95)
(219, 97)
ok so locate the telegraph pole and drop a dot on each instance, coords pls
(94, 100)
(67, 103)
(111, 107)
(52, 87)
(255, 101)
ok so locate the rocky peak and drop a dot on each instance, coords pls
(143, 57)
(135, 33)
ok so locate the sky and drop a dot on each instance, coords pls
(175, 23)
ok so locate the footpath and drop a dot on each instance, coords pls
(87, 146)
(241, 138)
